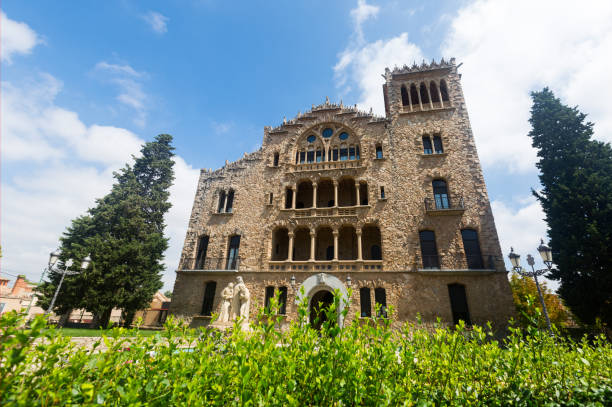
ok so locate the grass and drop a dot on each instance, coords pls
(99, 332)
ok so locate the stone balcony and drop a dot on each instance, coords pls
(326, 165)
(331, 212)
(444, 205)
(325, 265)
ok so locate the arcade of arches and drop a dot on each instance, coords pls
(326, 193)
(327, 243)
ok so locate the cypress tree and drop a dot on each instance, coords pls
(124, 233)
(576, 175)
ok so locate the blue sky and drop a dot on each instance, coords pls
(85, 83)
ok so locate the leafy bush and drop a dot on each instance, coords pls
(361, 364)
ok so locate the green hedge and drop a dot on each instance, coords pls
(367, 364)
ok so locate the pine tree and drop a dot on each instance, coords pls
(124, 234)
(576, 175)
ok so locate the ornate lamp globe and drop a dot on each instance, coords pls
(545, 253)
(85, 263)
(515, 259)
(53, 257)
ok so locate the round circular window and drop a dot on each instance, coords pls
(343, 136)
(311, 139)
(327, 133)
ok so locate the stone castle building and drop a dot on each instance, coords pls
(394, 208)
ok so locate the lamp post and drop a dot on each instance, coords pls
(52, 260)
(546, 254)
(53, 256)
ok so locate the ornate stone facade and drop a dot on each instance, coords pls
(393, 207)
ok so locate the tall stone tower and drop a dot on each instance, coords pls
(394, 208)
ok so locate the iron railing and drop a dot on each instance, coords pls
(444, 202)
(219, 263)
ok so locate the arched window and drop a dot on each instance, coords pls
(380, 298)
(320, 155)
(209, 298)
(232, 253)
(335, 153)
(288, 198)
(440, 194)
(414, 95)
(282, 303)
(230, 201)
(351, 152)
(429, 251)
(371, 242)
(363, 192)
(459, 305)
(357, 151)
(302, 157)
(310, 155)
(366, 302)
(424, 96)
(343, 152)
(376, 253)
(268, 297)
(471, 246)
(201, 254)
(437, 140)
(280, 244)
(405, 100)
(433, 90)
(324, 244)
(221, 206)
(444, 90)
(276, 156)
(427, 147)
(379, 152)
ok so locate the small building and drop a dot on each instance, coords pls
(19, 297)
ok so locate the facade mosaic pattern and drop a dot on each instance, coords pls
(392, 211)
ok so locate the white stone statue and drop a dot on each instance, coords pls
(241, 302)
(227, 295)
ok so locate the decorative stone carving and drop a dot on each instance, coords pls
(227, 295)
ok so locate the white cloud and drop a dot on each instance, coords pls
(57, 167)
(16, 38)
(157, 21)
(129, 82)
(116, 68)
(364, 65)
(360, 14)
(512, 47)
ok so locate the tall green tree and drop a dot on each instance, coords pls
(576, 175)
(124, 233)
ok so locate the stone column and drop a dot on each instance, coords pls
(335, 233)
(314, 194)
(294, 197)
(336, 193)
(440, 96)
(357, 193)
(290, 251)
(418, 88)
(359, 250)
(409, 97)
(312, 244)
(429, 93)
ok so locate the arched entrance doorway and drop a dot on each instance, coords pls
(321, 301)
(323, 282)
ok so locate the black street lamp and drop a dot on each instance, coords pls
(546, 254)
(52, 260)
